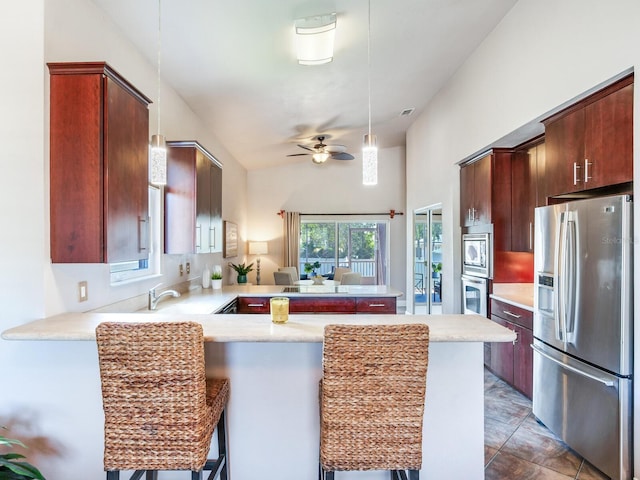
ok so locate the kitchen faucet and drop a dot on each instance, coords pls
(153, 299)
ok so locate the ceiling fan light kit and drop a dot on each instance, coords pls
(320, 157)
(320, 152)
(315, 39)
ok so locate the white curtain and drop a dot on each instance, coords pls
(291, 238)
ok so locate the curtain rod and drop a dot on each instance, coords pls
(391, 213)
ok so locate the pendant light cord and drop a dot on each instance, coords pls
(159, 56)
(369, 63)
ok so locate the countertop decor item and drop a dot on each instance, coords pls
(310, 268)
(216, 280)
(242, 270)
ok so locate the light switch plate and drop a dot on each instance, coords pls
(83, 291)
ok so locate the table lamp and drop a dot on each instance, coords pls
(258, 248)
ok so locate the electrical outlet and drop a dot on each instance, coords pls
(83, 291)
(188, 268)
(181, 269)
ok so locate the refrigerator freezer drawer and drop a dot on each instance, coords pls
(589, 409)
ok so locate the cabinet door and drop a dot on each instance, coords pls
(502, 354)
(466, 195)
(523, 361)
(564, 140)
(253, 305)
(180, 201)
(541, 178)
(203, 203)
(126, 156)
(376, 305)
(482, 191)
(523, 199)
(215, 229)
(608, 158)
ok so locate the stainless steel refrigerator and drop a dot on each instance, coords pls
(583, 328)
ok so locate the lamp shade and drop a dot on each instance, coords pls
(258, 248)
(315, 38)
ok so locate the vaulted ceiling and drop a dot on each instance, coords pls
(233, 62)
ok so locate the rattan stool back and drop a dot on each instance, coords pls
(160, 410)
(372, 398)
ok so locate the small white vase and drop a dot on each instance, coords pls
(206, 277)
(216, 284)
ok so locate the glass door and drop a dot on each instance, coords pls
(427, 260)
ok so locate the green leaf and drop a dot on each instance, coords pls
(21, 468)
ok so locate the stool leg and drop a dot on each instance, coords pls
(222, 444)
(113, 475)
(414, 474)
(196, 475)
(151, 475)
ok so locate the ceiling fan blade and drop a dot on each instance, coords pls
(342, 156)
(297, 154)
(305, 147)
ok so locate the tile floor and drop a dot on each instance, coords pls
(516, 446)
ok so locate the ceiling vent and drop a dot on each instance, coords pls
(406, 112)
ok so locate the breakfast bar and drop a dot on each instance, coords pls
(274, 372)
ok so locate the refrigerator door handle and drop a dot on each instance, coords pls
(571, 292)
(605, 382)
(559, 297)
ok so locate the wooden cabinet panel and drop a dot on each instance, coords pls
(376, 305)
(327, 304)
(322, 305)
(193, 200)
(502, 355)
(513, 362)
(590, 144)
(512, 313)
(253, 305)
(475, 192)
(523, 361)
(99, 127)
(466, 195)
(523, 198)
(608, 139)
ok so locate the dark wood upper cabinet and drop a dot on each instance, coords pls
(99, 129)
(193, 200)
(527, 185)
(590, 144)
(485, 194)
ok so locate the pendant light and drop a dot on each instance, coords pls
(158, 147)
(369, 148)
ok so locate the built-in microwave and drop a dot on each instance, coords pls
(476, 255)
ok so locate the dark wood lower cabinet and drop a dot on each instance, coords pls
(333, 304)
(513, 362)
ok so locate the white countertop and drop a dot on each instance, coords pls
(518, 294)
(259, 328)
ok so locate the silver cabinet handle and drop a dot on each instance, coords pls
(255, 305)
(587, 163)
(212, 238)
(530, 235)
(605, 382)
(377, 305)
(143, 234)
(575, 173)
(198, 238)
(511, 314)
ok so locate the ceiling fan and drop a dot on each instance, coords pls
(321, 152)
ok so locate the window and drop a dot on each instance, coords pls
(124, 272)
(360, 246)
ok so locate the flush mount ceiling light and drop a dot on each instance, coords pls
(314, 39)
(158, 147)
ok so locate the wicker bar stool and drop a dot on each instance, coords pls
(372, 398)
(160, 410)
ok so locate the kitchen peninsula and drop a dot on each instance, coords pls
(274, 372)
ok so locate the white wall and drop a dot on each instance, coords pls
(45, 402)
(334, 187)
(543, 54)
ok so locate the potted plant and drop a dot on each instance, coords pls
(216, 280)
(11, 465)
(436, 268)
(310, 268)
(242, 270)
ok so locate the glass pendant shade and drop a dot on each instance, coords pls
(158, 160)
(369, 161)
